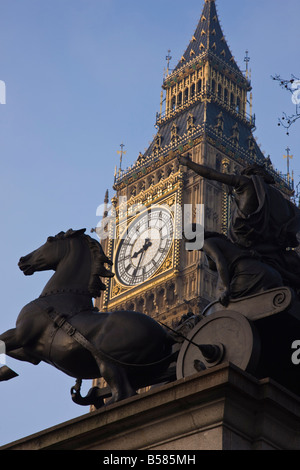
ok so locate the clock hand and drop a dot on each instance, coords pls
(145, 247)
(143, 250)
(147, 244)
(138, 265)
(137, 253)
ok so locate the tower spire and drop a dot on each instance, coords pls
(208, 39)
(203, 92)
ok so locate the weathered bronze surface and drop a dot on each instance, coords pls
(263, 222)
(62, 327)
(256, 314)
(252, 323)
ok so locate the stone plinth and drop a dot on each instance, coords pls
(219, 409)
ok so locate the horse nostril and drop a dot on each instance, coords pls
(22, 259)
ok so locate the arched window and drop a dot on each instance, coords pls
(160, 298)
(220, 91)
(173, 103)
(199, 86)
(238, 105)
(186, 94)
(232, 100)
(225, 95)
(179, 99)
(193, 90)
(213, 86)
(171, 296)
(150, 304)
(140, 305)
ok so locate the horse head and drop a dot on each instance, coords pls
(73, 246)
(44, 258)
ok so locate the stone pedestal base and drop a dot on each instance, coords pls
(219, 409)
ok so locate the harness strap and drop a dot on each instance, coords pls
(61, 322)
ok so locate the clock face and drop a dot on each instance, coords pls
(145, 247)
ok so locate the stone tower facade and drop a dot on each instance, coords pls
(207, 116)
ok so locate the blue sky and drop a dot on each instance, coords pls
(83, 76)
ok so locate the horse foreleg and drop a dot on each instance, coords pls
(6, 373)
(7, 338)
(118, 381)
(11, 340)
(12, 348)
(23, 355)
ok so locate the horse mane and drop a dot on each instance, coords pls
(98, 258)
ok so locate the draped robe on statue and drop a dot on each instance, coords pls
(262, 219)
(271, 229)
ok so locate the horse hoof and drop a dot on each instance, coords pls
(6, 374)
(94, 397)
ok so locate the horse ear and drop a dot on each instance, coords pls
(59, 236)
(75, 233)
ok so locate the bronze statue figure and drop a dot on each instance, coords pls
(256, 312)
(262, 219)
(62, 327)
(258, 274)
(241, 271)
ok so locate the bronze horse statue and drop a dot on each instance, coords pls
(63, 328)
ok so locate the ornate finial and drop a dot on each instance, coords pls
(247, 60)
(288, 158)
(168, 59)
(106, 197)
(105, 212)
(121, 153)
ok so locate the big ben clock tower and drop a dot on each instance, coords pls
(206, 115)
